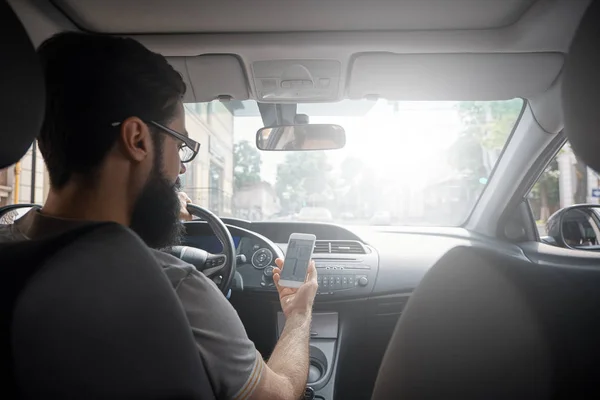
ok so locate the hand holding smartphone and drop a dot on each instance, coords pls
(297, 259)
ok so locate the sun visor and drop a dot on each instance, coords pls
(210, 77)
(452, 76)
(281, 81)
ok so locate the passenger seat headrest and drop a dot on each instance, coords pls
(581, 89)
(22, 100)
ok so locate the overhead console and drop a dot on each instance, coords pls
(212, 77)
(280, 81)
(394, 76)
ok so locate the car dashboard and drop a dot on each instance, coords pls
(346, 268)
(351, 263)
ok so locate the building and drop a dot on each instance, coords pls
(6, 183)
(209, 177)
(256, 202)
(567, 180)
(16, 182)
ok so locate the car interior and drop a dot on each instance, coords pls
(480, 308)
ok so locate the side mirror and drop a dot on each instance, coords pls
(301, 137)
(549, 240)
(9, 214)
(579, 227)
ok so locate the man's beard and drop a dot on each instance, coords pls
(156, 213)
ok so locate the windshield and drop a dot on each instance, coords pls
(404, 163)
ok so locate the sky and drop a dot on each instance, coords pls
(410, 143)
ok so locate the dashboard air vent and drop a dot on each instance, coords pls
(339, 247)
(322, 246)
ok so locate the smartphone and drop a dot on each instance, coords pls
(297, 258)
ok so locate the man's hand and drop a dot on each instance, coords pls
(298, 300)
(184, 200)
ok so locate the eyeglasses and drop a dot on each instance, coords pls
(187, 150)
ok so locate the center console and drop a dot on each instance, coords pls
(339, 276)
(349, 271)
(323, 352)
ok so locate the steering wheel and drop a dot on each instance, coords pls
(219, 267)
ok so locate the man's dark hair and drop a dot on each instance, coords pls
(93, 81)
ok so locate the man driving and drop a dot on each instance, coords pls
(114, 142)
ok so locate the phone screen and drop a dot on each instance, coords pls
(297, 257)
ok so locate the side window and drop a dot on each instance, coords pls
(566, 181)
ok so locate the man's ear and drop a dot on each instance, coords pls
(135, 139)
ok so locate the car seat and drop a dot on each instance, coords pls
(487, 325)
(88, 314)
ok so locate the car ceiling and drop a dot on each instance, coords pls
(225, 16)
(403, 49)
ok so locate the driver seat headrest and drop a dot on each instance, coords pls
(23, 94)
(581, 88)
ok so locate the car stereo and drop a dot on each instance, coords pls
(339, 277)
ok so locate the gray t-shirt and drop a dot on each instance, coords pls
(232, 362)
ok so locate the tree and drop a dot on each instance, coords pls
(489, 122)
(350, 197)
(487, 126)
(546, 191)
(351, 169)
(246, 159)
(300, 177)
(581, 189)
(362, 187)
(369, 191)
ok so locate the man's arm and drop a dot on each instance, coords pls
(286, 372)
(234, 366)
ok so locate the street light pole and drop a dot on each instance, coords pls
(17, 182)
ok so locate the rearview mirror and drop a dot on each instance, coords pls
(301, 137)
(576, 227)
